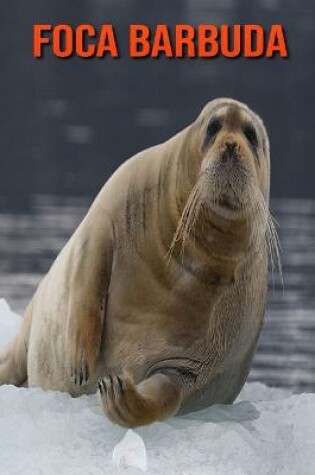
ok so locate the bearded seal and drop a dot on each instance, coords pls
(157, 300)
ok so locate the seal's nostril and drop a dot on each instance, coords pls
(229, 153)
(230, 147)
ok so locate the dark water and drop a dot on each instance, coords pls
(286, 353)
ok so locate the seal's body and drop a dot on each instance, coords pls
(158, 298)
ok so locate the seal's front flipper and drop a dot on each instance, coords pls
(89, 278)
(131, 405)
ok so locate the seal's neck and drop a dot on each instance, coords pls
(223, 237)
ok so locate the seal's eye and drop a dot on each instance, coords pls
(213, 128)
(251, 135)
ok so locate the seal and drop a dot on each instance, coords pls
(157, 300)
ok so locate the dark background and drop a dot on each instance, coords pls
(66, 124)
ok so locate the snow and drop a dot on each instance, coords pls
(266, 432)
(131, 451)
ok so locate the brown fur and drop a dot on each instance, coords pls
(159, 295)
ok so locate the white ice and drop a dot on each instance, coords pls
(267, 431)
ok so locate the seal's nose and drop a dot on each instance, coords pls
(229, 153)
(230, 147)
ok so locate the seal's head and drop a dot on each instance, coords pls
(233, 158)
(225, 167)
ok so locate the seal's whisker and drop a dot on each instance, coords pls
(276, 248)
(271, 236)
(188, 219)
(191, 218)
